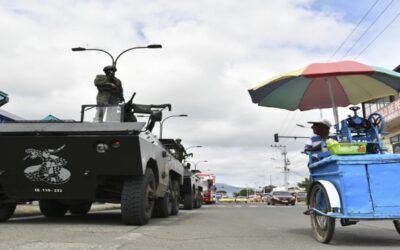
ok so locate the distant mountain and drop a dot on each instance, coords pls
(228, 188)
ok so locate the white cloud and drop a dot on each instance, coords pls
(213, 51)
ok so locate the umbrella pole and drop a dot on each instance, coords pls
(335, 110)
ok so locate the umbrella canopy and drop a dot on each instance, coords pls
(326, 85)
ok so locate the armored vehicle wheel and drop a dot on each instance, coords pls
(397, 225)
(323, 226)
(199, 200)
(80, 209)
(52, 208)
(6, 211)
(175, 197)
(163, 206)
(195, 203)
(137, 199)
(188, 201)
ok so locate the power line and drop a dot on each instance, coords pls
(351, 33)
(380, 33)
(369, 27)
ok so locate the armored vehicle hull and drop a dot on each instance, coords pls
(69, 165)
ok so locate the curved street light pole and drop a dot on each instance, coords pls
(195, 165)
(114, 62)
(197, 146)
(166, 118)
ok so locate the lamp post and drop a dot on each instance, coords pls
(195, 164)
(198, 146)
(114, 62)
(166, 118)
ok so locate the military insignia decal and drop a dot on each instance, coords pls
(51, 170)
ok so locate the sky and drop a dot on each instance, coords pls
(213, 52)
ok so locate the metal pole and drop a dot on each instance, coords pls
(161, 128)
(335, 110)
(285, 169)
(162, 122)
(285, 164)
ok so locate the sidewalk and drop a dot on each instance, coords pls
(32, 210)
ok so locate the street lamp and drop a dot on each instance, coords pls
(198, 146)
(162, 122)
(195, 164)
(114, 62)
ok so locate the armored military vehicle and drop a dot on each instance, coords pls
(68, 165)
(191, 190)
(193, 197)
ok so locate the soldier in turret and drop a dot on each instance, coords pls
(180, 151)
(109, 87)
(110, 91)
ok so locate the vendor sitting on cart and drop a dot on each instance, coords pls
(316, 145)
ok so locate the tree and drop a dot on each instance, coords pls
(304, 184)
(268, 189)
(246, 191)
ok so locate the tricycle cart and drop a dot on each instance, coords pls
(346, 187)
(354, 185)
(353, 188)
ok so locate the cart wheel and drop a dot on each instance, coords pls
(397, 225)
(323, 226)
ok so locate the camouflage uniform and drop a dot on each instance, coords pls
(110, 93)
(107, 94)
(180, 152)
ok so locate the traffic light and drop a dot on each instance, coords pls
(276, 137)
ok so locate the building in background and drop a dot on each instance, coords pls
(389, 108)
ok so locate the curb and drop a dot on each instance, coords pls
(33, 210)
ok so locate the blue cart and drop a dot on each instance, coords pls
(354, 187)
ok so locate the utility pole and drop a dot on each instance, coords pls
(285, 165)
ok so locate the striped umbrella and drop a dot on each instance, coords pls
(326, 85)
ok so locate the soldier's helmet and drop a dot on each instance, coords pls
(178, 140)
(110, 68)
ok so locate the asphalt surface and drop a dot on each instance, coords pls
(245, 226)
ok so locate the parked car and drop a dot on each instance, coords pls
(281, 197)
(241, 199)
(227, 199)
(254, 198)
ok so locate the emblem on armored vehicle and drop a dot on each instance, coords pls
(51, 170)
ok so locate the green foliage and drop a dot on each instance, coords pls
(245, 192)
(268, 189)
(304, 184)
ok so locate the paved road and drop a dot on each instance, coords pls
(211, 227)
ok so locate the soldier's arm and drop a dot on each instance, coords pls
(102, 83)
(121, 90)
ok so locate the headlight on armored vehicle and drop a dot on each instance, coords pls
(101, 147)
(115, 144)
